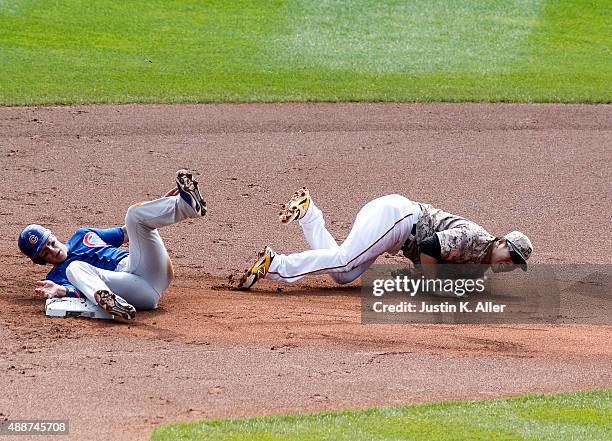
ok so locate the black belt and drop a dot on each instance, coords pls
(406, 245)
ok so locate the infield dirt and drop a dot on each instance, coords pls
(212, 352)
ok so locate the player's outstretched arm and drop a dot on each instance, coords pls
(49, 289)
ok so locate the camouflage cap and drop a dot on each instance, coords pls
(520, 248)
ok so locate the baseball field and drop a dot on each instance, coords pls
(498, 111)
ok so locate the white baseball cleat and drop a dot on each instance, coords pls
(115, 305)
(296, 208)
(258, 270)
(188, 189)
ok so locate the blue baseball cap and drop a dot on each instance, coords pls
(32, 240)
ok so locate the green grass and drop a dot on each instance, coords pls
(567, 416)
(106, 51)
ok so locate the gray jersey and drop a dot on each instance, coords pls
(461, 240)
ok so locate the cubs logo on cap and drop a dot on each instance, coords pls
(32, 240)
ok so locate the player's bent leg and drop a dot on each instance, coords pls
(302, 208)
(148, 256)
(313, 227)
(290, 268)
(348, 277)
(344, 278)
(158, 213)
(86, 279)
(380, 226)
(90, 281)
(169, 210)
(134, 289)
(273, 266)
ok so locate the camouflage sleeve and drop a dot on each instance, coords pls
(463, 244)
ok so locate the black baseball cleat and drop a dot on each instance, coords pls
(115, 305)
(188, 188)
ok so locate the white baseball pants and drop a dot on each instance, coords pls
(382, 225)
(148, 270)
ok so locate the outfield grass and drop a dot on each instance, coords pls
(567, 416)
(106, 51)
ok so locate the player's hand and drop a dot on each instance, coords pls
(172, 192)
(49, 289)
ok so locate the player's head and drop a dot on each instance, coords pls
(40, 245)
(511, 252)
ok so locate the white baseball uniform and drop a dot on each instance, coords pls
(382, 225)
